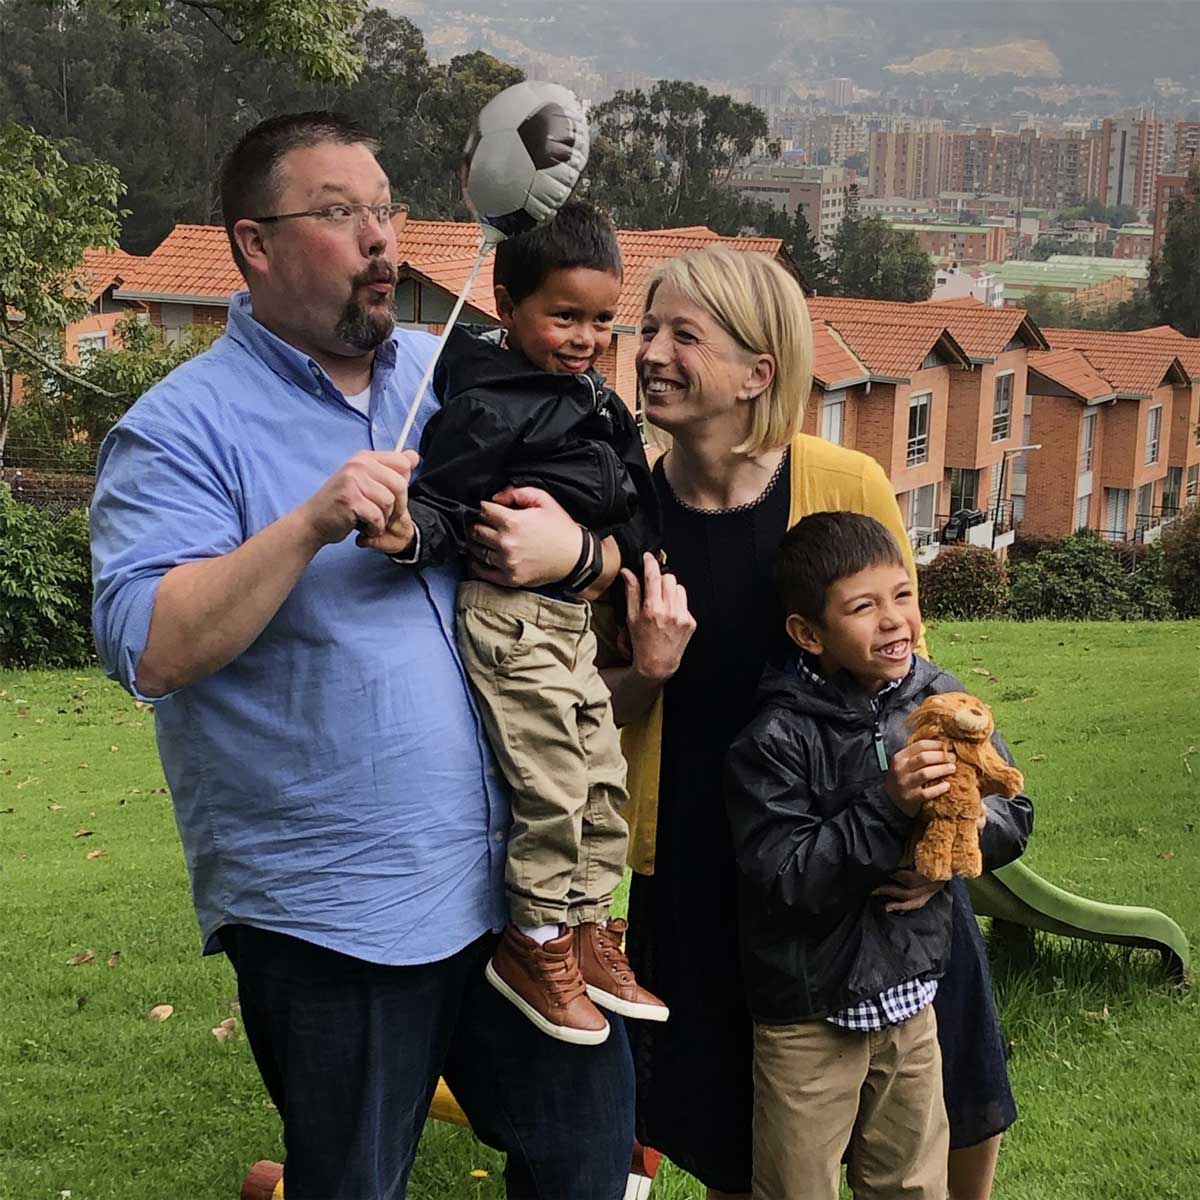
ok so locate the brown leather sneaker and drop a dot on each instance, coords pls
(609, 977)
(545, 984)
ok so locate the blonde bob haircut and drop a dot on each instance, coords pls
(762, 307)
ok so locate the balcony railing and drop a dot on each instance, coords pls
(1003, 517)
(918, 451)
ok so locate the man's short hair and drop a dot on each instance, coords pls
(579, 236)
(250, 172)
(824, 547)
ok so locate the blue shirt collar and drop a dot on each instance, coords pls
(284, 359)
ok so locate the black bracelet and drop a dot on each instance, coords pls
(585, 556)
(580, 581)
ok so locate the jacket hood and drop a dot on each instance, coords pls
(841, 696)
(470, 361)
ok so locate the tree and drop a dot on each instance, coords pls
(50, 212)
(1175, 274)
(667, 157)
(873, 261)
(316, 36)
(802, 246)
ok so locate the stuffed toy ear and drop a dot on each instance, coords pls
(996, 777)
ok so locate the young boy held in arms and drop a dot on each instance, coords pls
(524, 406)
(823, 798)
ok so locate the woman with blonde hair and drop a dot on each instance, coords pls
(725, 368)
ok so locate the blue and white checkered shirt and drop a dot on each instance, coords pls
(897, 1004)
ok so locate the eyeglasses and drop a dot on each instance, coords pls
(343, 216)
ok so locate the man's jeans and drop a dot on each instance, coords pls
(350, 1053)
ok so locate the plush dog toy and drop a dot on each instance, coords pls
(949, 844)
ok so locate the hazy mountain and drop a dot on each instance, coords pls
(1084, 42)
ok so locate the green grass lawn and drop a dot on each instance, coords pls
(97, 1101)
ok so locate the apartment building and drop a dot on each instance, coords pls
(968, 283)
(1167, 190)
(819, 191)
(959, 243)
(1116, 416)
(1187, 145)
(1133, 241)
(1134, 151)
(906, 164)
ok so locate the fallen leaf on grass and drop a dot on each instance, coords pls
(84, 956)
(54, 807)
(9, 809)
(226, 1029)
(114, 958)
(1037, 758)
(479, 1173)
(113, 749)
(1097, 1017)
(980, 671)
(160, 1012)
(1167, 855)
(83, 766)
(83, 833)
(96, 854)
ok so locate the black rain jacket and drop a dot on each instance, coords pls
(505, 421)
(814, 833)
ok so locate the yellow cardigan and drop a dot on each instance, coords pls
(824, 478)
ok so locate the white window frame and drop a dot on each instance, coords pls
(917, 447)
(1005, 414)
(1083, 506)
(1087, 453)
(1153, 434)
(87, 344)
(833, 417)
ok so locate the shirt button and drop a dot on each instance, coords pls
(498, 836)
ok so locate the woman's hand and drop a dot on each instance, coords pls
(659, 623)
(908, 890)
(525, 538)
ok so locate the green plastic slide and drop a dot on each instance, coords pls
(1018, 896)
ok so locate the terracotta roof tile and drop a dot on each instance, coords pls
(892, 339)
(834, 364)
(643, 250)
(982, 331)
(191, 265)
(102, 268)
(1134, 363)
(452, 274)
(1071, 369)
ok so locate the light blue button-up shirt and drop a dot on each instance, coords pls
(334, 781)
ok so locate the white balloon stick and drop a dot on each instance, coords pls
(484, 247)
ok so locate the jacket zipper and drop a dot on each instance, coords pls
(595, 394)
(880, 749)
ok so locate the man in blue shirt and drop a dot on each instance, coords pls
(341, 817)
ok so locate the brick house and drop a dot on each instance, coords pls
(1116, 414)
(977, 397)
(186, 280)
(882, 384)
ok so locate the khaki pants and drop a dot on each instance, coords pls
(532, 661)
(819, 1089)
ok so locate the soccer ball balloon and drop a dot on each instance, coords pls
(524, 157)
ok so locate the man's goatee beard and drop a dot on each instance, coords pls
(362, 328)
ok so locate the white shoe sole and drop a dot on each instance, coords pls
(577, 1037)
(626, 1008)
